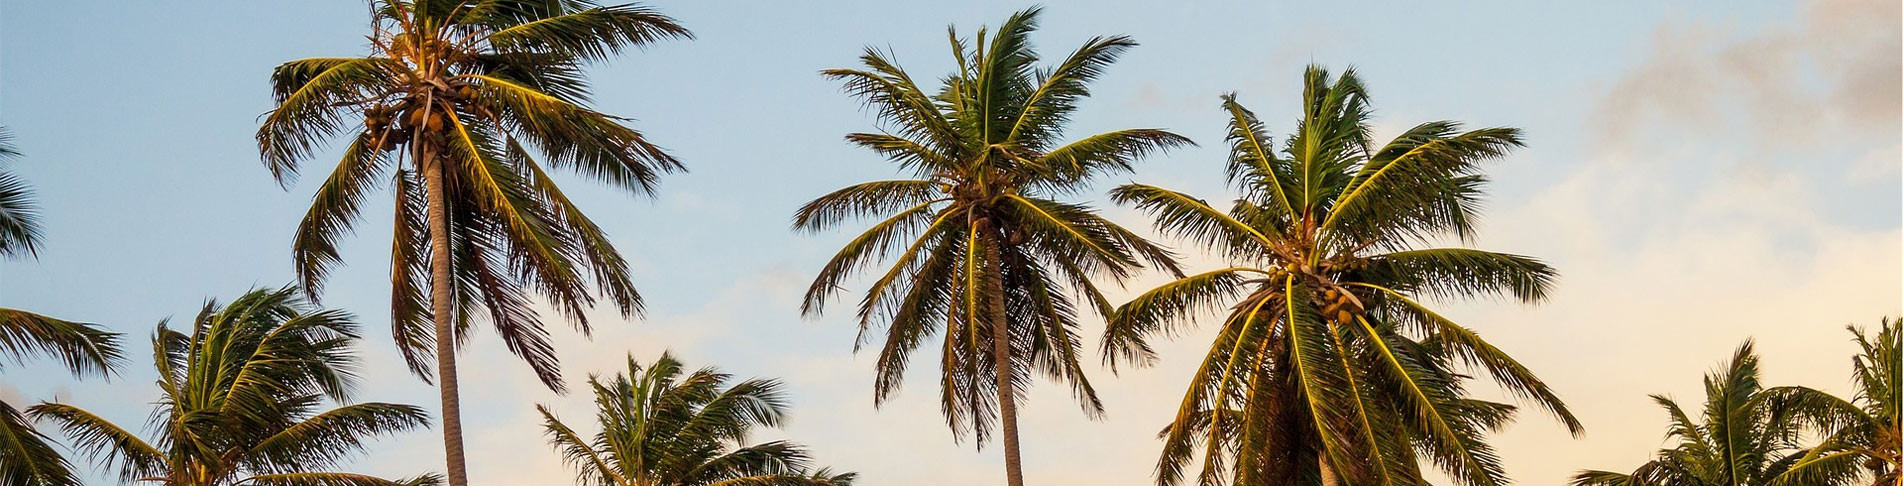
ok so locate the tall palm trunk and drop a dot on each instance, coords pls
(1001, 351)
(442, 311)
(1328, 474)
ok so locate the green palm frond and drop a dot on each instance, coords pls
(864, 200)
(661, 425)
(585, 34)
(1186, 217)
(1165, 309)
(27, 457)
(323, 440)
(81, 347)
(1462, 272)
(103, 441)
(19, 218)
(19, 213)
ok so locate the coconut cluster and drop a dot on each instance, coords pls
(1340, 305)
(391, 125)
(1336, 302)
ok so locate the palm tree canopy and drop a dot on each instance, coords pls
(662, 426)
(1867, 430)
(986, 159)
(1748, 437)
(483, 88)
(243, 395)
(1327, 354)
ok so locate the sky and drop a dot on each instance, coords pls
(1701, 173)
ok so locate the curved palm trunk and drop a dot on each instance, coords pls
(442, 311)
(1001, 355)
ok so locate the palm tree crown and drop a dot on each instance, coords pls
(1748, 437)
(475, 89)
(661, 426)
(1328, 365)
(985, 253)
(242, 401)
(1865, 431)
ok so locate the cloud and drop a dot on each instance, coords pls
(1835, 72)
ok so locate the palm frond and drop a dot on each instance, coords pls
(1184, 216)
(104, 442)
(334, 211)
(590, 34)
(322, 440)
(1165, 309)
(313, 100)
(1063, 168)
(81, 347)
(1463, 272)
(19, 216)
(865, 200)
(27, 457)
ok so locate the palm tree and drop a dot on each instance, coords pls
(1748, 438)
(26, 459)
(451, 106)
(1867, 430)
(242, 401)
(986, 254)
(1328, 368)
(660, 428)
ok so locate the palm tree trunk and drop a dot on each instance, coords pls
(1001, 354)
(1328, 473)
(442, 311)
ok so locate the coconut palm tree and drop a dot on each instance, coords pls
(242, 401)
(1749, 437)
(452, 106)
(26, 459)
(1867, 430)
(986, 253)
(661, 426)
(1328, 367)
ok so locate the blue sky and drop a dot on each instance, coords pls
(1700, 173)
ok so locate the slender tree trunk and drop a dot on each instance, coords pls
(442, 311)
(1328, 473)
(1001, 354)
